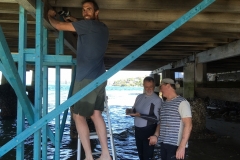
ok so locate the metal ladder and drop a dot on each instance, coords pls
(93, 135)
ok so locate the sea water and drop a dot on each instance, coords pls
(119, 98)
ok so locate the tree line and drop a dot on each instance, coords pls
(137, 81)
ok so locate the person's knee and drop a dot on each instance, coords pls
(77, 117)
(96, 115)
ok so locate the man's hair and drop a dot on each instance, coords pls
(93, 2)
(149, 79)
(173, 86)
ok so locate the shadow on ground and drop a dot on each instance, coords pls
(222, 142)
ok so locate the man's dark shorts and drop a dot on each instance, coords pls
(168, 152)
(92, 101)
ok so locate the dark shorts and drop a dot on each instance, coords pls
(168, 152)
(92, 101)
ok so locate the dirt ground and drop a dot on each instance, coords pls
(220, 141)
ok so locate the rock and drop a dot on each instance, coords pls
(198, 114)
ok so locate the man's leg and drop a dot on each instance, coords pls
(168, 152)
(83, 132)
(163, 152)
(100, 127)
(139, 144)
(148, 149)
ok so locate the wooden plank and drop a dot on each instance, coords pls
(175, 5)
(174, 65)
(8, 1)
(46, 58)
(221, 52)
(9, 8)
(161, 16)
(226, 94)
(4, 16)
(154, 25)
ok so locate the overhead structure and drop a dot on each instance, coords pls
(131, 23)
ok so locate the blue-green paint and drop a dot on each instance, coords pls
(38, 78)
(45, 96)
(50, 59)
(22, 73)
(30, 50)
(57, 99)
(69, 95)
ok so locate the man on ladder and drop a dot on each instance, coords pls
(92, 44)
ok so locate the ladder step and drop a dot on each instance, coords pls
(99, 152)
(93, 135)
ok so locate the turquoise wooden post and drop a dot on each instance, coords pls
(59, 50)
(69, 95)
(38, 77)
(10, 72)
(22, 73)
(45, 95)
(146, 46)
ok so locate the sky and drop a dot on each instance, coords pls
(66, 75)
(129, 74)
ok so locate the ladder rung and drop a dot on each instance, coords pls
(99, 152)
(93, 135)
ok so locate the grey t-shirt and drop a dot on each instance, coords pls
(91, 46)
(148, 107)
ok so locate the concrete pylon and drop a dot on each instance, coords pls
(200, 74)
(188, 81)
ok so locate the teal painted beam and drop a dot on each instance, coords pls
(11, 74)
(30, 50)
(57, 118)
(47, 59)
(58, 48)
(53, 64)
(38, 78)
(123, 63)
(45, 96)
(22, 43)
(69, 95)
(61, 42)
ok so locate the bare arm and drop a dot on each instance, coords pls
(154, 138)
(70, 18)
(61, 26)
(187, 127)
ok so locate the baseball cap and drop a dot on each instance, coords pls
(167, 81)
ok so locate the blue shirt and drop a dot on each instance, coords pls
(148, 107)
(91, 46)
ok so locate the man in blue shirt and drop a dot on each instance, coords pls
(91, 46)
(146, 112)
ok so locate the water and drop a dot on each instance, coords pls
(119, 98)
